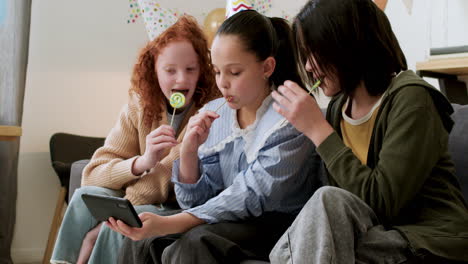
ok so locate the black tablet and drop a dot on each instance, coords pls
(102, 207)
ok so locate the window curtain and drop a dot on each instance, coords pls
(15, 18)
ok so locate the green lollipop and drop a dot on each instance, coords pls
(177, 100)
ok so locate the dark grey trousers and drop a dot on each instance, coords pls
(228, 242)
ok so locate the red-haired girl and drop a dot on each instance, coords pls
(136, 159)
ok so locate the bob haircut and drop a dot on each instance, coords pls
(351, 41)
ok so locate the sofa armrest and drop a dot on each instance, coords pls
(75, 176)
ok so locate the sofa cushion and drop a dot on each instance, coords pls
(458, 145)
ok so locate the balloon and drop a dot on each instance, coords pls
(212, 22)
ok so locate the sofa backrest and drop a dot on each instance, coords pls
(458, 145)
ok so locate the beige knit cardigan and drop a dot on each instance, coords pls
(111, 165)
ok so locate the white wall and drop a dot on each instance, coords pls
(445, 25)
(448, 24)
(80, 60)
(434, 23)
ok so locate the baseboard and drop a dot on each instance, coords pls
(27, 255)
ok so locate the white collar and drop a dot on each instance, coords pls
(362, 120)
(227, 128)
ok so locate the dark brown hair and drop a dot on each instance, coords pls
(265, 37)
(351, 40)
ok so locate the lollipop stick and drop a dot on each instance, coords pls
(315, 86)
(220, 106)
(177, 100)
(172, 118)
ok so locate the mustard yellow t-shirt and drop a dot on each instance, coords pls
(357, 133)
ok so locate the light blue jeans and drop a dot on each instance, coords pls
(77, 222)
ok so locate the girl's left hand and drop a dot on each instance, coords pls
(302, 111)
(152, 226)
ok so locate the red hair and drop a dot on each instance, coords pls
(145, 80)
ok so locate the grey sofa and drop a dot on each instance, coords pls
(458, 147)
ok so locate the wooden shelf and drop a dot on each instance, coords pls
(454, 66)
(10, 132)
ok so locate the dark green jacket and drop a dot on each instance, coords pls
(409, 178)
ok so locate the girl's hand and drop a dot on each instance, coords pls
(156, 142)
(198, 129)
(302, 111)
(155, 225)
(152, 226)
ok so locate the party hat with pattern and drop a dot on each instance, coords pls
(156, 18)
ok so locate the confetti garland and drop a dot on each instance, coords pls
(157, 18)
(262, 6)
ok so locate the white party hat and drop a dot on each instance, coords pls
(156, 18)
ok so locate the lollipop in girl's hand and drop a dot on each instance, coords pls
(311, 89)
(177, 100)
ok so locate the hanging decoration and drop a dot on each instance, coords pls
(234, 6)
(158, 18)
(409, 6)
(262, 6)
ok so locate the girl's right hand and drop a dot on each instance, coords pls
(156, 142)
(152, 225)
(197, 132)
(155, 225)
(302, 111)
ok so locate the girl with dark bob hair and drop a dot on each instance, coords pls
(393, 196)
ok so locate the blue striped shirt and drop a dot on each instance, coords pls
(266, 167)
